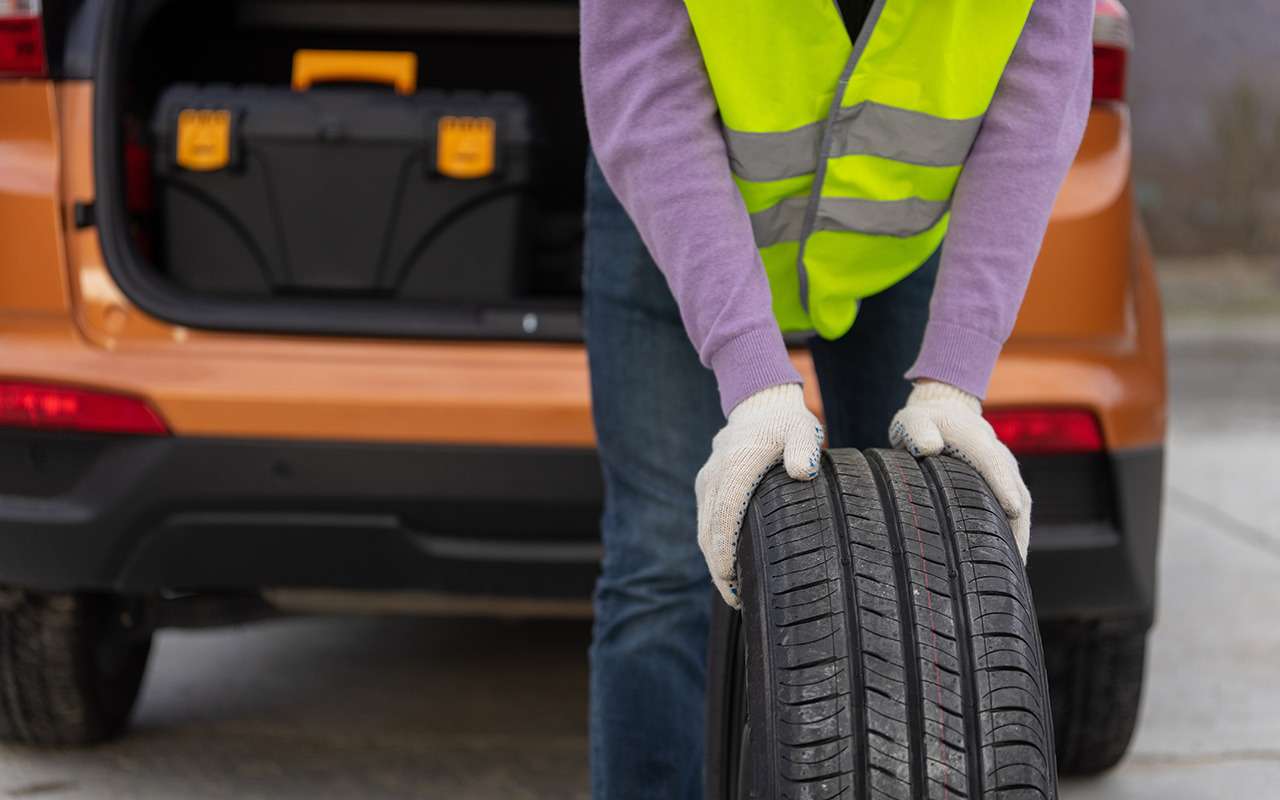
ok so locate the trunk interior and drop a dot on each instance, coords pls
(505, 263)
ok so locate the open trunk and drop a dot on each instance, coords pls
(484, 54)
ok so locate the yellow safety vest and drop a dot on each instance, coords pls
(847, 153)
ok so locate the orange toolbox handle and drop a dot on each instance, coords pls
(397, 69)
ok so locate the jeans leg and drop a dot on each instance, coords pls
(656, 410)
(860, 374)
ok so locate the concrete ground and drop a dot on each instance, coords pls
(398, 708)
(1210, 724)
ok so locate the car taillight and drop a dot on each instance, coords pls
(1046, 430)
(1112, 41)
(22, 51)
(65, 408)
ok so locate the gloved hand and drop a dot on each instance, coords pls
(771, 425)
(939, 418)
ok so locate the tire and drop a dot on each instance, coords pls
(1095, 680)
(70, 668)
(920, 558)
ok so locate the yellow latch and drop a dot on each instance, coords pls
(465, 147)
(204, 139)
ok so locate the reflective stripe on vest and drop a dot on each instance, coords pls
(785, 221)
(868, 129)
(847, 153)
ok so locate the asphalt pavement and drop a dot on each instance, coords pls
(407, 707)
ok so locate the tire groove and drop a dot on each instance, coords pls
(907, 625)
(968, 682)
(933, 651)
(853, 628)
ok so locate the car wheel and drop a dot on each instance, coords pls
(1095, 679)
(70, 667)
(936, 686)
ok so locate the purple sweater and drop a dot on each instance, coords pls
(656, 132)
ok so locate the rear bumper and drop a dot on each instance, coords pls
(148, 515)
(145, 515)
(1105, 568)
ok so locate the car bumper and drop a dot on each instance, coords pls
(142, 515)
(147, 515)
(1105, 567)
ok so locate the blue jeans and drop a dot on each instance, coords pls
(656, 410)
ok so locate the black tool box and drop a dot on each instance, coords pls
(343, 191)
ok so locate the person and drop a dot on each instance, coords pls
(718, 213)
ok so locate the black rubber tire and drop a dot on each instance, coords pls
(70, 668)
(1095, 680)
(920, 557)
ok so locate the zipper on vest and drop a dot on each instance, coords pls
(861, 11)
(854, 13)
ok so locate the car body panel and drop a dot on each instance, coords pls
(1081, 287)
(32, 279)
(1089, 333)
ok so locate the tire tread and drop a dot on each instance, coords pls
(903, 657)
(1095, 680)
(52, 691)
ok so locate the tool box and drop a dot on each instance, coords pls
(341, 190)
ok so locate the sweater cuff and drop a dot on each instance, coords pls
(750, 362)
(956, 355)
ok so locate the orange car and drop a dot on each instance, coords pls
(172, 456)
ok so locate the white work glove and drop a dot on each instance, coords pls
(939, 418)
(771, 425)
